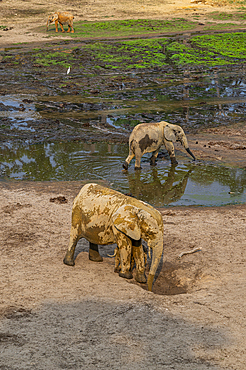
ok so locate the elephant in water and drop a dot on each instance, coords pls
(105, 216)
(149, 137)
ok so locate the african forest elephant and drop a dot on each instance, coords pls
(149, 137)
(105, 216)
(61, 18)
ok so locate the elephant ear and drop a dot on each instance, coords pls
(169, 134)
(55, 17)
(125, 220)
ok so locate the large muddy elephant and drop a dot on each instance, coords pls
(61, 18)
(149, 137)
(104, 216)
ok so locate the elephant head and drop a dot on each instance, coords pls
(52, 18)
(137, 223)
(176, 133)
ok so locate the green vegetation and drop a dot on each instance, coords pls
(183, 54)
(128, 27)
(210, 50)
(53, 58)
(234, 2)
(229, 45)
(220, 26)
(96, 56)
(223, 16)
(129, 54)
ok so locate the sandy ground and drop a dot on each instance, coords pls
(21, 17)
(86, 317)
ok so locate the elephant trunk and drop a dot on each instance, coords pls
(190, 153)
(156, 257)
(186, 146)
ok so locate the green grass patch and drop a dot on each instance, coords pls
(46, 58)
(210, 50)
(132, 54)
(181, 54)
(93, 57)
(229, 45)
(224, 16)
(221, 26)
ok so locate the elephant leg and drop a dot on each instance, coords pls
(132, 262)
(139, 257)
(94, 254)
(62, 27)
(125, 249)
(117, 260)
(154, 157)
(70, 27)
(74, 238)
(170, 148)
(138, 155)
(56, 24)
(128, 159)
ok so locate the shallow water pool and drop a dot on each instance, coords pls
(189, 183)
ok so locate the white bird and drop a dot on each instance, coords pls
(68, 71)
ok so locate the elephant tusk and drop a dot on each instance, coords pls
(112, 255)
(190, 153)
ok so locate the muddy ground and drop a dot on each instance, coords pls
(86, 317)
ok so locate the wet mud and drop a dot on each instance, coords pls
(40, 101)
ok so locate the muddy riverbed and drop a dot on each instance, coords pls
(75, 126)
(59, 130)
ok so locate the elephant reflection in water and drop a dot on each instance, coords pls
(154, 191)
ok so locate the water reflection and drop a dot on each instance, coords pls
(187, 184)
(157, 189)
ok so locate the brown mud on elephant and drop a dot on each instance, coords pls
(149, 137)
(104, 216)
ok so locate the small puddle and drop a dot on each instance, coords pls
(14, 108)
(205, 184)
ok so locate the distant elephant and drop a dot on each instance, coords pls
(61, 18)
(105, 216)
(149, 137)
